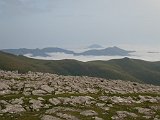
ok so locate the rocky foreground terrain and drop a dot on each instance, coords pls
(44, 96)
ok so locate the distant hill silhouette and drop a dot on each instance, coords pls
(37, 52)
(111, 51)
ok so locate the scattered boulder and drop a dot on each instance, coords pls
(38, 92)
(4, 86)
(54, 101)
(17, 101)
(49, 117)
(97, 118)
(47, 88)
(123, 114)
(66, 116)
(35, 104)
(145, 111)
(13, 109)
(89, 113)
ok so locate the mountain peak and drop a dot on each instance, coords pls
(95, 46)
(114, 47)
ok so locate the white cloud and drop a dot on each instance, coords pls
(143, 55)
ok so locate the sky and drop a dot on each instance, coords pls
(133, 24)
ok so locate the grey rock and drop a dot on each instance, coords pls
(38, 92)
(49, 117)
(66, 116)
(100, 104)
(147, 99)
(116, 99)
(123, 114)
(156, 119)
(4, 102)
(4, 86)
(13, 109)
(47, 88)
(57, 109)
(145, 111)
(97, 118)
(89, 113)
(36, 104)
(6, 92)
(54, 101)
(17, 101)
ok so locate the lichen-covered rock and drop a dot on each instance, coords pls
(54, 101)
(82, 100)
(123, 114)
(47, 88)
(13, 109)
(145, 111)
(49, 117)
(66, 116)
(97, 118)
(38, 92)
(89, 113)
(35, 104)
(4, 86)
(17, 101)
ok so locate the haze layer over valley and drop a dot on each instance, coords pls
(90, 53)
(141, 54)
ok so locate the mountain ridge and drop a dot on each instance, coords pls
(110, 51)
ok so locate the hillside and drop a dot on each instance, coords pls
(124, 69)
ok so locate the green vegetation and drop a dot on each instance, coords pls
(124, 69)
(106, 115)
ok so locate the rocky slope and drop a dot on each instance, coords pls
(44, 96)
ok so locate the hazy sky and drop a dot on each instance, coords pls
(75, 23)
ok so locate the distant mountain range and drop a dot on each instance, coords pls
(111, 51)
(37, 52)
(123, 69)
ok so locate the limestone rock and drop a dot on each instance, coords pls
(145, 111)
(66, 116)
(13, 109)
(36, 104)
(89, 113)
(47, 88)
(38, 92)
(49, 117)
(54, 101)
(4, 86)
